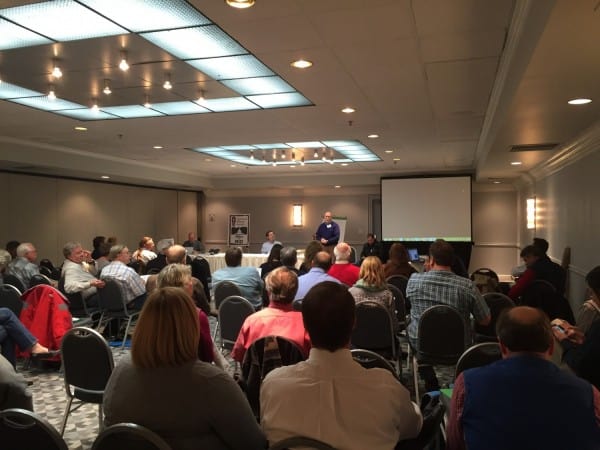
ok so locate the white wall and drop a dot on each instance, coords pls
(51, 211)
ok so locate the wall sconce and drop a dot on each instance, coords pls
(297, 215)
(531, 213)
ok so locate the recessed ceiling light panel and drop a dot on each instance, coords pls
(258, 86)
(131, 111)
(85, 114)
(174, 108)
(301, 64)
(229, 104)
(230, 67)
(8, 91)
(46, 103)
(14, 36)
(285, 100)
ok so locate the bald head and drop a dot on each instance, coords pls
(523, 329)
(175, 254)
(322, 260)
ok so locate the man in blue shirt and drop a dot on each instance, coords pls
(246, 278)
(317, 274)
(328, 233)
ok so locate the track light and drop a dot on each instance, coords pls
(282, 154)
(167, 84)
(316, 154)
(302, 161)
(123, 64)
(323, 157)
(251, 154)
(201, 97)
(51, 93)
(107, 89)
(56, 72)
(94, 106)
(147, 103)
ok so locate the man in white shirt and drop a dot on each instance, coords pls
(79, 277)
(330, 397)
(132, 285)
(269, 243)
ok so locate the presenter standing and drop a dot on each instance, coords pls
(328, 233)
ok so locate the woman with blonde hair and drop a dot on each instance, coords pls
(164, 387)
(180, 275)
(371, 286)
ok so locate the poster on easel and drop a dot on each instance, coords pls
(239, 229)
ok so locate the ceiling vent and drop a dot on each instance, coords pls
(532, 147)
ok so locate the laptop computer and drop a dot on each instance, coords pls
(413, 255)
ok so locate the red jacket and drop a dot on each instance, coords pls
(46, 315)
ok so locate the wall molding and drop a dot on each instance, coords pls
(497, 245)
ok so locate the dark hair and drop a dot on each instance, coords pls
(531, 250)
(398, 254)
(104, 249)
(233, 256)
(322, 260)
(288, 256)
(312, 248)
(267, 233)
(593, 280)
(524, 329)
(328, 311)
(442, 252)
(541, 244)
(11, 247)
(371, 235)
(97, 241)
(275, 253)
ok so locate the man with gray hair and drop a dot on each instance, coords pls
(289, 258)
(133, 287)
(77, 277)
(156, 265)
(343, 269)
(23, 266)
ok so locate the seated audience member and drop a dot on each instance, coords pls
(246, 278)
(289, 258)
(273, 261)
(180, 275)
(539, 267)
(13, 388)
(13, 332)
(312, 248)
(556, 410)
(102, 260)
(133, 287)
(164, 387)
(269, 243)
(11, 247)
(5, 258)
(589, 312)
(112, 240)
(542, 245)
(397, 263)
(194, 243)
(23, 266)
(371, 248)
(145, 251)
(581, 351)
(440, 286)
(278, 319)
(342, 269)
(317, 274)
(199, 296)
(176, 254)
(157, 264)
(330, 397)
(371, 286)
(96, 242)
(80, 278)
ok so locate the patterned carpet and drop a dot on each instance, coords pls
(50, 399)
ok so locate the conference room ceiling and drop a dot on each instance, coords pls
(449, 87)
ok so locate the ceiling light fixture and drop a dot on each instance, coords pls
(373, 136)
(157, 147)
(147, 103)
(240, 4)
(251, 154)
(344, 164)
(323, 157)
(348, 110)
(107, 90)
(316, 154)
(94, 106)
(123, 64)
(56, 72)
(302, 161)
(389, 151)
(337, 186)
(201, 96)
(293, 155)
(51, 93)
(580, 101)
(81, 128)
(167, 84)
(516, 163)
(105, 177)
(301, 64)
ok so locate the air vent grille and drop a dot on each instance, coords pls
(533, 147)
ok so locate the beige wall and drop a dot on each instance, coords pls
(50, 211)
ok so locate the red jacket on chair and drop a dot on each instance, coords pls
(46, 315)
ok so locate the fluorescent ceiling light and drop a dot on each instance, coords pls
(85, 114)
(148, 15)
(198, 42)
(175, 108)
(14, 36)
(131, 111)
(258, 86)
(279, 145)
(306, 144)
(63, 20)
(280, 100)
(229, 67)
(46, 103)
(8, 91)
(228, 104)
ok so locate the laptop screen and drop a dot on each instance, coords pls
(413, 254)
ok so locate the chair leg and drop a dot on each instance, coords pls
(415, 365)
(126, 332)
(100, 418)
(66, 416)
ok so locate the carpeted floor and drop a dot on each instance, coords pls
(50, 399)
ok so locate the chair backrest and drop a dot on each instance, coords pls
(441, 335)
(129, 436)
(77, 305)
(301, 442)
(14, 281)
(353, 254)
(110, 297)
(24, 429)
(374, 330)
(543, 295)
(478, 355)
(399, 305)
(201, 270)
(369, 360)
(10, 298)
(46, 271)
(486, 280)
(225, 289)
(87, 360)
(400, 281)
(497, 302)
(232, 313)
(297, 304)
(39, 278)
(262, 356)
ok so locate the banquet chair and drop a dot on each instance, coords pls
(129, 436)
(39, 278)
(14, 281)
(478, 355)
(113, 306)
(496, 302)
(232, 313)
(370, 360)
(301, 442)
(24, 429)
(87, 364)
(374, 330)
(10, 298)
(223, 290)
(399, 303)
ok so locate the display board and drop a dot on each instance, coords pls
(239, 229)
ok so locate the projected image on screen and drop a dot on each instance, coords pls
(425, 209)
